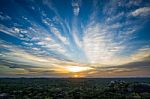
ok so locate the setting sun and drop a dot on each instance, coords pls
(76, 76)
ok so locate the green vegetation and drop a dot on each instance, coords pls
(69, 88)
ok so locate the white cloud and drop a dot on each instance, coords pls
(17, 30)
(21, 56)
(133, 3)
(41, 43)
(58, 34)
(47, 21)
(76, 39)
(4, 17)
(48, 39)
(13, 31)
(144, 11)
(36, 49)
(103, 42)
(76, 8)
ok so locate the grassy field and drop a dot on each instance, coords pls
(75, 88)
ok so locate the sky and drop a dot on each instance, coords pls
(75, 38)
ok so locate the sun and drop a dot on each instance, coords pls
(75, 76)
(77, 68)
(78, 75)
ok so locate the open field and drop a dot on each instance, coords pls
(74, 88)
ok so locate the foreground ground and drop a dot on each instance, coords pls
(69, 88)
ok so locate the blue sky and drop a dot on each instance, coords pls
(63, 38)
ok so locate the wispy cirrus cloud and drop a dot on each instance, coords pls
(143, 11)
(76, 7)
(106, 40)
(4, 17)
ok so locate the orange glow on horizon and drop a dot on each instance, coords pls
(76, 76)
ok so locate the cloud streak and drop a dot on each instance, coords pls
(105, 39)
(144, 11)
(76, 7)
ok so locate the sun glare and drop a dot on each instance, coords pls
(76, 76)
(77, 68)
